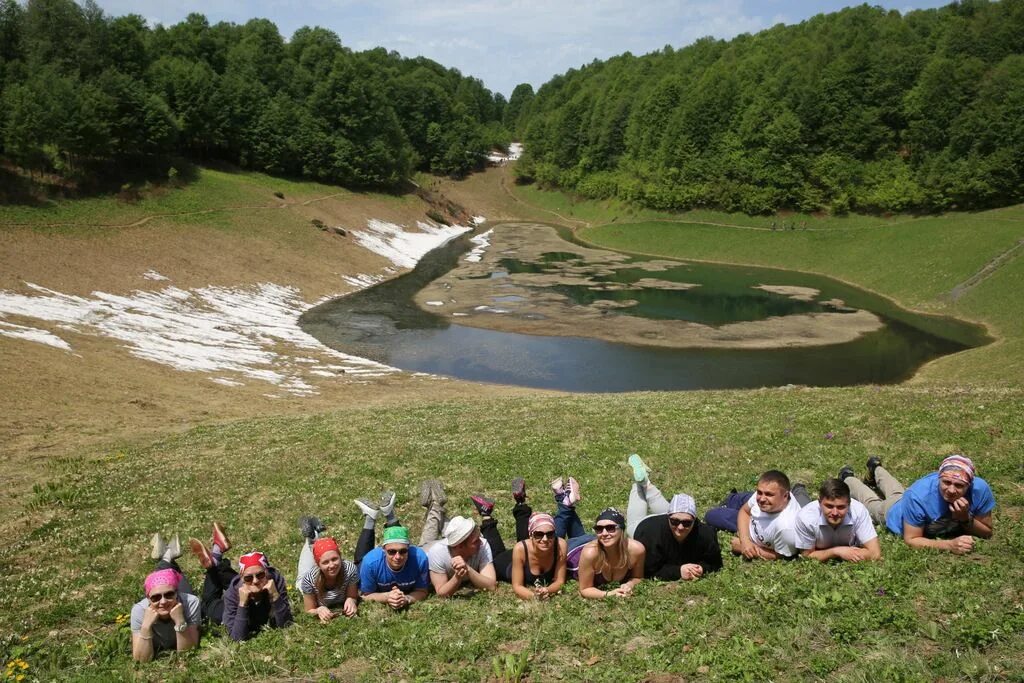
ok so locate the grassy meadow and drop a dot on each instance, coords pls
(76, 547)
(70, 575)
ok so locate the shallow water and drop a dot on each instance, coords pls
(384, 324)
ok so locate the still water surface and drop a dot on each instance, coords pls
(384, 323)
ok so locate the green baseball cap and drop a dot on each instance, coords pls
(395, 534)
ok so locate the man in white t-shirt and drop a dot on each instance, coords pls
(765, 526)
(835, 527)
(463, 557)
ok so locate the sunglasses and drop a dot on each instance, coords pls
(392, 552)
(540, 535)
(258, 576)
(157, 597)
(685, 523)
(605, 528)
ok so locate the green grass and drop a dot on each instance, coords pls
(212, 189)
(74, 562)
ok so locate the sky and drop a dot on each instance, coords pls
(507, 42)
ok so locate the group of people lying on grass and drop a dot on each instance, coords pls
(657, 538)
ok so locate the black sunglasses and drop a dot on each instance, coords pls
(605, 528)
(258, 576)
(685, 523)
(538, 535)
(397, 551)
(157, 597)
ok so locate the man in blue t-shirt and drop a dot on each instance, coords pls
(396, 573)
(943, 510)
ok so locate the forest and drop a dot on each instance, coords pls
(84, 96)
(863, 110)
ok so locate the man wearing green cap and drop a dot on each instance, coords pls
(396, 573)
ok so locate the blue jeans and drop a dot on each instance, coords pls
(567, 522)
(724, 516)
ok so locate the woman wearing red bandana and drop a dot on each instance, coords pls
(944, 510)
(327, 581)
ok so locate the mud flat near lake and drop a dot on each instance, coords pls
(483, 292)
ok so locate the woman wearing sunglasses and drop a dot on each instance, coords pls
(611, 557)
(678, 546)
(256, 598)
(165, 619)
(536, 564)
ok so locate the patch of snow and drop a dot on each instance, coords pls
(479, 220)
(360, 281)
(481, 241)
(515, 150)
(435, 303)
(227, 382)
(461, 315)
(211, 329)
(33, 334)
(153, 275)
(402, 247)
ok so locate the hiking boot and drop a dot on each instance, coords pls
(220, 538)
(873, 462)
(387, 503)
(201, 553)
(368, 508)
(425, 493)
(846, 473)
(640, 469)
(572, 495)
(484, 506)
(519, 489)
(437, 492)
(310, 527)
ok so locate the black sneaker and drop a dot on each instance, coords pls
(873, 462)
(846, 473)
(519, 489)
(311, 527)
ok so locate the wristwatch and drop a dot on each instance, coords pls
(181, 628)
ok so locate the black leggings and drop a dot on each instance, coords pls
(502, 555)
(218, 578)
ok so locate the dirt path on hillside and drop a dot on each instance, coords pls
(986, 271)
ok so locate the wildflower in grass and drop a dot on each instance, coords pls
(829, 436)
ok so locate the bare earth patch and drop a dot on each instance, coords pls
(527, 303)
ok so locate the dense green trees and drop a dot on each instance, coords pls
(862, 109)
(81, 91)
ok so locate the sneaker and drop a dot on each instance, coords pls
(310, 527)
(158, 545)
(484, 506)
(201, 553)
(387, 502)
(846, 473)
(573, 494)
(220, 538)
(519, 489)
(640, 468)
(173, 550)
(425, 493)
(557, 488)
(437, 492)
(368, 508)
(873, 462)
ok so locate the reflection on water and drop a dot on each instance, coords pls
(383, 323)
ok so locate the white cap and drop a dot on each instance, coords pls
(458, 530)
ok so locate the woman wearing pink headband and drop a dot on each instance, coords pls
(536, 564)
(944, 510)
(167, 618)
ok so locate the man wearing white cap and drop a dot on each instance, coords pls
(462, 556)
(678, 546)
